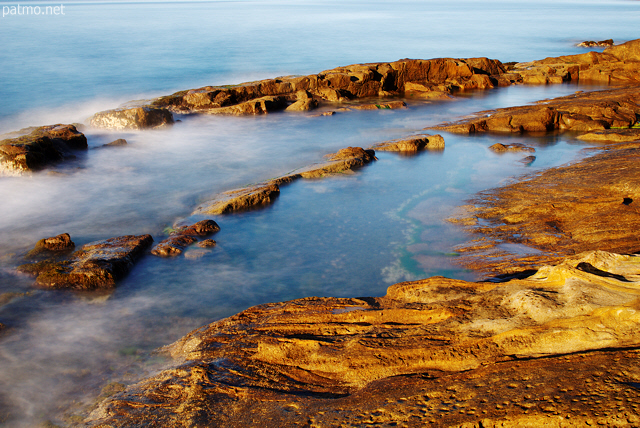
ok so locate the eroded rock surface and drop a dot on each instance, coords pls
(33, 149)
(583, 111)
(184, 236)
(96, 265)
(144, 117)
(459, 352)
(562, 211)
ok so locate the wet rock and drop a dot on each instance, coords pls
(241, 199)
(590, 111)
(592, 44)
(49, 246)
(33, 149)
(116, 143)
(145, 117)
(96, 265)
(184, 236)
(515, 147)
(207, 243)
(413, 144)
(528, 160)
(427, 351)
(343, 161)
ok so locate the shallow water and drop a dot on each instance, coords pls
(348, 235)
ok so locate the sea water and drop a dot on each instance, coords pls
(347, 235)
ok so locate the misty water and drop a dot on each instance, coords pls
(346, 235)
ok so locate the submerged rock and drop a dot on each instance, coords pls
(432, 345)
(36, 148)
(116, 143)
(183, 237)
(96, 265)
(145, 117)
(515, 147)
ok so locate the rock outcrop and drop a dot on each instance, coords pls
(618, 64)
(413, 144)
(96, 265)
(184, 236)
(467, 353)
(33, 149)
(442, 75)
(583, 111)
(144, 117)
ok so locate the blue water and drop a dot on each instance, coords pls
(348, 235)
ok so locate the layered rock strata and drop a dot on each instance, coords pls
(445, 345)
(36, 148)
(95, 265)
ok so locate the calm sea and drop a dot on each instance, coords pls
(350, 235)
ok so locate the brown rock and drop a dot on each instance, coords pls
(116, 143)
(584, 111)
(96, 265)
(184, 236)
(341, 84)
(61, 243)
(207, 243)
(145, 117)
(413, 144)
(516, 147)
(425, 353)
(36, 148)
(592, 44)
(241, 200)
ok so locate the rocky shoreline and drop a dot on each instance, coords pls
(534, 350)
